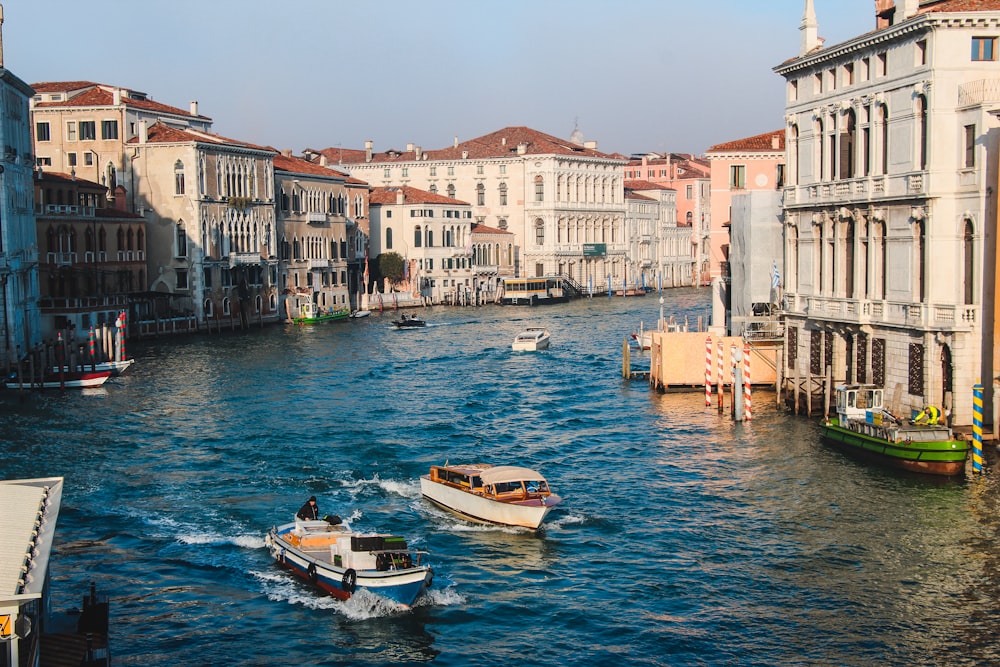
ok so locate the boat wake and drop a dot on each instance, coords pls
(245, 541)
(405, 489)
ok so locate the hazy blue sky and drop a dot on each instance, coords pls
(634, 75)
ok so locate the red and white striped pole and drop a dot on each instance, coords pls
(746, 382)
(708, 371)
(720, 378)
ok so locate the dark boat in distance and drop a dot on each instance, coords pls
(409, 322)
(864, 427)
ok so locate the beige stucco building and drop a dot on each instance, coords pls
(889, 205)
(562, 199)
(210, 210)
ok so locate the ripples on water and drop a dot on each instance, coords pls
(684, 539)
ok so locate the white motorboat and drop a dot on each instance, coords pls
(65, 380)
(531, 339)
(505, 495)
(335, 559)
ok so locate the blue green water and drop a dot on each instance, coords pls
(683, 539)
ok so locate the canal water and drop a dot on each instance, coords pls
(683, 539)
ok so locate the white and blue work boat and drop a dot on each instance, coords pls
(337, 560)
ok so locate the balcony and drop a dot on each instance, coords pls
(243, 259)
(319, 263)
(936, 317)
(90, 256)
(131, 255)
(316, 218)
(861, 190)
(60, 209)
(61, 258)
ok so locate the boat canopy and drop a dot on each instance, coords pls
(500, 474)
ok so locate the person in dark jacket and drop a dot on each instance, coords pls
(309, 511)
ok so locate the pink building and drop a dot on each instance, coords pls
(753, 163)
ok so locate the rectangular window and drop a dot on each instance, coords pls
(832, 79)
(451, 171)
(42, 132)
(208, 277)
(915, 378)
(881, 65)
(434, 171)
(984, 48)
(109, 129)
(737, 177)
(71, 130)
(479, 169)
(970, 146)
(818, 83)
(182, 249)
(793, 91)
(921, 55)
(406, 172)
(88, 130)
(71, 159)
(780, 176)
(849, 74)
(182, 278)
(43, 161)
(503, 169)
(88, 159)
(689, 192)
(866, 69)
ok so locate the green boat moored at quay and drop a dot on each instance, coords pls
(864, 427)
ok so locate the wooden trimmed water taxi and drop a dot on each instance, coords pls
(505, 495)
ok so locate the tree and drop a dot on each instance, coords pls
(390, 265)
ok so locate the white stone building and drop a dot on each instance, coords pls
(556, 196)
(890, 202)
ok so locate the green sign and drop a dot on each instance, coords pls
(595, 249)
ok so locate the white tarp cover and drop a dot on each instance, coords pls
(24, 503)
(499, 474)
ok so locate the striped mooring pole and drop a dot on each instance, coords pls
(708, 371)
(746, 382)
(977, 427)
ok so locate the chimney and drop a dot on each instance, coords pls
(143, 131)
(287, 152)
(522, 148)
(590, 145)
(503, 141)
(465, 155)
(194, 107)
(809, 30)
(369, 145)
(116, 97)
(409, 148)
(322, 160)
(400, 198)
(416, 153)
(910, 8)
(775, 142)
(456, 141)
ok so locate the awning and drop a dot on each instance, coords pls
(499, 474)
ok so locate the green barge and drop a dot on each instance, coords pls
(863, 426)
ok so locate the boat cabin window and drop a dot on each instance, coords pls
(508, 487)
(477, 482)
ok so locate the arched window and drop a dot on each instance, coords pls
(821, 144)
(418, 236)
(921, 232)
(968, 261)
(181, 237)
(178, 178)
(884, 112)
(503, 194)
(433, 188)
(847, 144)
(540, 188)
(480, 195)
(793, 157)
(922, 132)
(451, 190)
(430, 238)
(539, 231)
(209, 312)
(689, 217)
(388, 238)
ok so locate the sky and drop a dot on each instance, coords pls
(633, 75)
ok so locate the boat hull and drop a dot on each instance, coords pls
(933, 457)
(74, 380)
(402, 586)
(528, 513)
(116, 367)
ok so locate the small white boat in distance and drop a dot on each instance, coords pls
(505, 495)
(531, 339)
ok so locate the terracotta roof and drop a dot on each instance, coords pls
(645, 185)
(296, 165)
(960, 6)
(761, 142)
(100, 97)
(483, 229)
(502, 143)
(60, 177)
(410, 196)
(632, 194)
(61, 86)
(161, 133)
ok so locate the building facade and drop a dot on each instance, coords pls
(210, 210)
(19, 314)
(433, 235)
(889, 203)
(313, 241)
(92, 257)
(562, 199)
(662, 251)
(745, 165)
(690, 177)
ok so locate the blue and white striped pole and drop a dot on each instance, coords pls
(977, 427)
